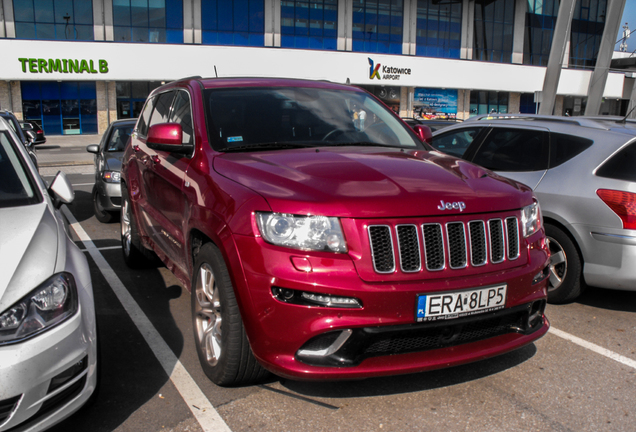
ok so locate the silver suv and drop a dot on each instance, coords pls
(582, 171)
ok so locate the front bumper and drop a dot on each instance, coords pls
(49, 377)
(280, 333)
(109, 195)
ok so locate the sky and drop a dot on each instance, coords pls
(629, 17)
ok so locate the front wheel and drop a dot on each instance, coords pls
(566, 282)
(222, 346)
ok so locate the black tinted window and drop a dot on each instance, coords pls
(621, 165)
(144, 118)
(182, 114)
(513, 150)
(456, 142)
(565, 147)
(162, 108)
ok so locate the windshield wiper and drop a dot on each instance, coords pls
(268, 146)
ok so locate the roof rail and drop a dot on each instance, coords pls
(590, 122)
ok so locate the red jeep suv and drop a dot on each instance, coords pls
(322, 239)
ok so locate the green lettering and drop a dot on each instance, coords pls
(92, 67)
(33, 65)
(55, 65)
(24, 62)
(73, 65)
(103, 66)
(83, 66)
(42, 66)
(65, 66)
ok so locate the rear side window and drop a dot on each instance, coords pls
(144, 118)
(621, 165)
(455, 142)
(513, 150)
(565, 147)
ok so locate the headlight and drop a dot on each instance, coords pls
(531, 219)
(48, 305)
(112, 176)
(319, 233)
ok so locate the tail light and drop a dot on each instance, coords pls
(621, 203)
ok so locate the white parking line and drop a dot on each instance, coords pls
(593, 347)
(103, 248)
(199, 405)
(83, 184)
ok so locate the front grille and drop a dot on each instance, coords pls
(7, 406)
(455, 245)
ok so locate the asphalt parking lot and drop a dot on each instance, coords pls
(580, 377)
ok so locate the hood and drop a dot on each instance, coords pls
(369, 182)
(112, 161)
(28, 251)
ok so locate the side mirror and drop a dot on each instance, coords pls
(424, 133)
(61, 190)
(167, 137)
(92, 148)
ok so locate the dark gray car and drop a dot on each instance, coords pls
(582, 171)
(108, 154)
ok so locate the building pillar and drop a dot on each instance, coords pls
(463, 104)
(106, 104)
(345, 26)
(272, 23)
(614, 14)
(15, 95)
(555, 60)
(519, 32)
(409, 35)
(8, 25)
(468, 29)
(558, 105)
(514, 103)
(5, 96)
(406, 93)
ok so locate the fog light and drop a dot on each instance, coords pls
(535, 317)
(60, 379)
(305, 298)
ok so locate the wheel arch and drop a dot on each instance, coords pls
(554, 222)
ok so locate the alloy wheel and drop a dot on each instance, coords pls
(558, 264)
(207, 312)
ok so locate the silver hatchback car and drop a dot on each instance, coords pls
(48, 338)
(582, 170)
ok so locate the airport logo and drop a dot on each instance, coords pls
(386, 72)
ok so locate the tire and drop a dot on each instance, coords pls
(135, 254)
(222, 346)
(566, 280)
(102, 215)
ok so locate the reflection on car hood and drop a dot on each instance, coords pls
(370, 182)
(28, 251)
(112, 161)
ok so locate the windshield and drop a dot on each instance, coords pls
(15, 186)
(282, 117)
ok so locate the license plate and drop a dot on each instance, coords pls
(450, 305)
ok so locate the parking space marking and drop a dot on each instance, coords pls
(83, 184)
(102, 248)
(205, 413)
(595, 348)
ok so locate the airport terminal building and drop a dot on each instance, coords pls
(75, 65)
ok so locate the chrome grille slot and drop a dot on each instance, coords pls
(477, 235)
(456, 244)
(512, 227)
(433, 247)
(497, 248)
(382, 248)
(409, 248)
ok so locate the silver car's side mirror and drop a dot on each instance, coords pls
(92, 148)
(61, 190)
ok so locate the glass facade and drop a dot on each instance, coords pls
(377, 26)
(527, 105)
(587, 29)
(309, 24)
(53, 19)
(131, 96)
(439, 28)
(233, 22)
(540, 21)
(62, 108)
(494, 29)
(159, 21)
(486, 102)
